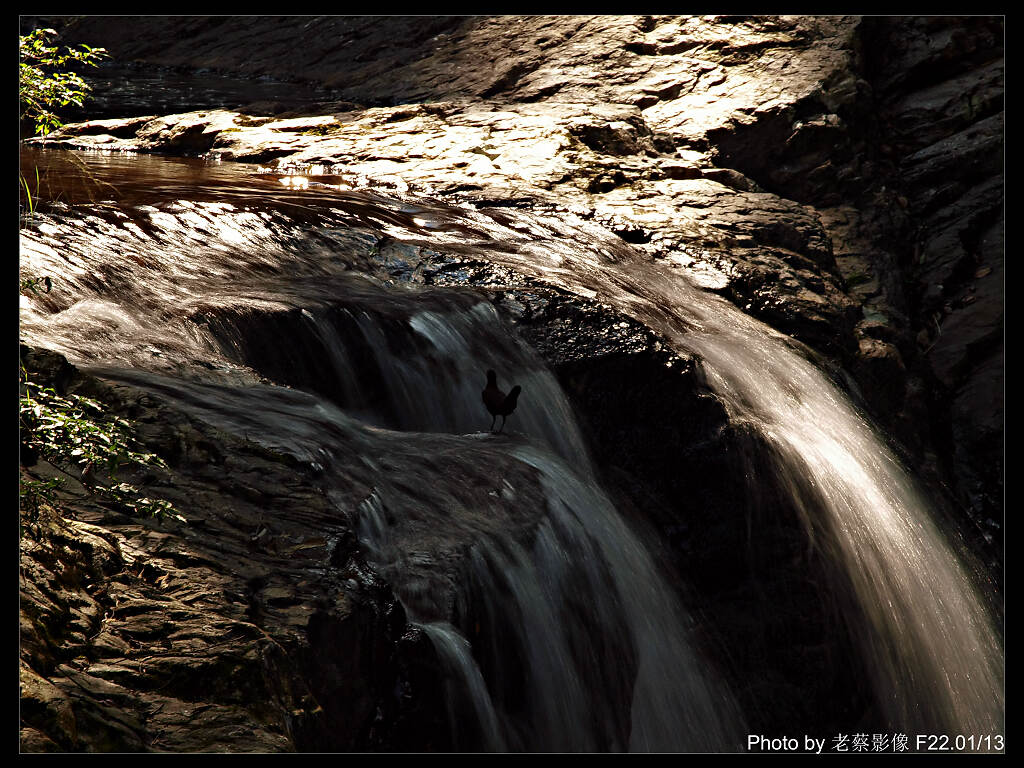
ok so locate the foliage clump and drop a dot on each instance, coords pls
(77, 432)
(43, 85)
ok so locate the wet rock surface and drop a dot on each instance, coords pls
(839, 178)
(255, 626)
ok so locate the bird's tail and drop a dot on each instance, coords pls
(511, 399)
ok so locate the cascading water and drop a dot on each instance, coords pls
(546, 575)
(577, 600)
(437, 387)
(565, 602)
(926, 633)
(662, 708)
(584, 646)
(932, 644)
(566, 637)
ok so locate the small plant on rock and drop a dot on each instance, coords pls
(77, 432)
(43, 85)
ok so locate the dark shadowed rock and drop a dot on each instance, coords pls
(252, 627)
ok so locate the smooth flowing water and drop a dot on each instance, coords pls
(178, 280)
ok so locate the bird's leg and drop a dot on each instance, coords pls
(502, 423)
(494, 418)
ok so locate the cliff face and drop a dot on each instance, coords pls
(940, 92)
(838, 178)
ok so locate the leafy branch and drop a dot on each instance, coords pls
(76, 431)
(43, 86)
(36, 284)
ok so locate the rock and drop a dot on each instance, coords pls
(940, 87)
(139, 635)
(730, 178)
(882, 375)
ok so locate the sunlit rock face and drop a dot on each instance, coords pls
(605, 114)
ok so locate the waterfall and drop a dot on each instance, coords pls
(465, 680)
(674, 703)
(554, 628)
(930, 642)
(925, 631)
(553, 625)
(583, 645)
(429, 366)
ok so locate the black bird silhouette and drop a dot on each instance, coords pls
(497, 402)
